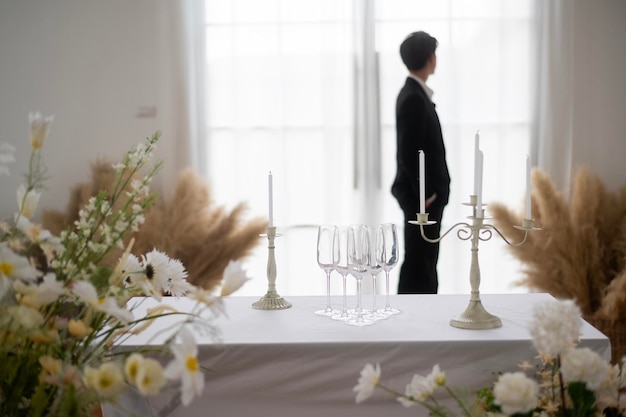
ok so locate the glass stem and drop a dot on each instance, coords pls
(328, 307)
(344, 311)
(374, 293)
(359, 311)
(387, 304)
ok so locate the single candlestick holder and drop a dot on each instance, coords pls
(475, 316)
(271, 300)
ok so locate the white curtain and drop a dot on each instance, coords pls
(555, 90)
(306, 89)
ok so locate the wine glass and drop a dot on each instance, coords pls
(342, 269)
(375, 267)
(327, 256)
(358, 261)
(387, 256)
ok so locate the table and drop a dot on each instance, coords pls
(293, 363)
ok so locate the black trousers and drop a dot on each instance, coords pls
(418, 273)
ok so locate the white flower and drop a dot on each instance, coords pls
(233, 278)
(145, 373)
(185, 367)
(555, 327)
(12, 267)
(36, 296)
(418, 390)
(178, 285)
(88, 294)
(156, 268)
(36, 234)
(27, 202)
(584, 365)
(515, 393)
(6, 157)
(368, 380)
(436, 377)
(107, 380)
(39, 128)
(24, 317)
(607, 395)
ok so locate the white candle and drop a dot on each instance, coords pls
(476, 150)
(270, 199)
(528, 188)
(422, 181)
(479, 184)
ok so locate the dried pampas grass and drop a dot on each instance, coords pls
(581, 251)
(188, 226)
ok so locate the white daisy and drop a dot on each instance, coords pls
(107, 380)
(156, 269)
(14, 267)
(185, 367)
(370, 376)
(88, 294)
(37, 295)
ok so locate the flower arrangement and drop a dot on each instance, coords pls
(63, 314)
(567, 381)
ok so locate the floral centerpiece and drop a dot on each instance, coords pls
(63, 314)
(566, 381)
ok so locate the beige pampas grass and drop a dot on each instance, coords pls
(581, 251)
(188, 226)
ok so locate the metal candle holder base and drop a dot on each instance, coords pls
(271, 300)
(475, 316)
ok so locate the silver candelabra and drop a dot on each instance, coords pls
(271, 300)
(475, 316)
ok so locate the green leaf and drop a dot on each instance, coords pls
(583, 400)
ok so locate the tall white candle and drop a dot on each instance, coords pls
(270, 198)
(528, 188)
(422, 181)
(479, 184)
(476, 150)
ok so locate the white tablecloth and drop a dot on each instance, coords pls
(293, 363)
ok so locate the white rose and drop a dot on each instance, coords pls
(555, 326)
(515, 393)
(584, 365)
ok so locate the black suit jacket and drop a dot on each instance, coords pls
(418, 127)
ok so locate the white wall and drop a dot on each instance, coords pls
(599, 117)
(91, 63)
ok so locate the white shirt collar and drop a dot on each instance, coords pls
(428, 90)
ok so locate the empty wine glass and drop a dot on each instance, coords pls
(327, 256)
(387, 254)
(342, 269)
(375, 267)
(358, 262)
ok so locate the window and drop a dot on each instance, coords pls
(306, 89)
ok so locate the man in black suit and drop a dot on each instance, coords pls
(418, 128)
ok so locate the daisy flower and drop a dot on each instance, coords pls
(370, 376)
(14, 267)
(185, 367)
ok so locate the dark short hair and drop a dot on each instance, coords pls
(416, 49)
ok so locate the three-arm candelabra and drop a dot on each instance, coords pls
(475, 316)
(271, 300)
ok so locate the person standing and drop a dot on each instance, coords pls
(418, 128)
